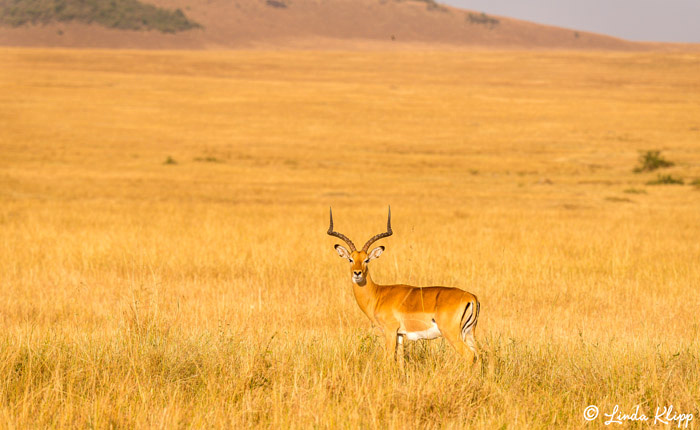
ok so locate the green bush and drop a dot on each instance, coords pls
(618, 199)
(430, 5)
(276, 4)
(208, 159)
(650, 161)
(482, 19)
(666, 180)
(121, 14)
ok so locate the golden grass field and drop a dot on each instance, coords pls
(206, 293)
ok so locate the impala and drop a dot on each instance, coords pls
(403, 311)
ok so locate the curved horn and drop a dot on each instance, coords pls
(341, 236)
(381, 235)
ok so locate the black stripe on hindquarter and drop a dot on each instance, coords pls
(465, 312)
(470, 324)
(466, 324)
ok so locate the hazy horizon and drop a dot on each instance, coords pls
(639, 20)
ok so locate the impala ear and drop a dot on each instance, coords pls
(344, 253)
(375, 253)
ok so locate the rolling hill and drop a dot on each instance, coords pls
(225, 24)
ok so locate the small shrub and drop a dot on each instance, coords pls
(482, 19)
(208, 160)
(618, 199)
(635, 191)
(432, 5)
(666, 180)
(170, 160)
(276, 4)
(696, 183)
(650, 161)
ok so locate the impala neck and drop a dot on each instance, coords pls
(365, 295)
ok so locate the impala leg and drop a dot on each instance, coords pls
(399, 350)
(391, 341)
(471, 343)
(460, 346)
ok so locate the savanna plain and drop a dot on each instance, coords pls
(164, 261)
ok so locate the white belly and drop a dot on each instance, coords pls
(431, 333)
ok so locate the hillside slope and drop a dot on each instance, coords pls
(316, 23)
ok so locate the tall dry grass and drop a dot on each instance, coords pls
(135, 293)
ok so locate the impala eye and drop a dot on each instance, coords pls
(351, 260)
(367, 261)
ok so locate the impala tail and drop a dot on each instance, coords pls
(470, 317)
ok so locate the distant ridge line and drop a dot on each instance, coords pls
(310, 24)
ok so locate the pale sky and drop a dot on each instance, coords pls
(641, 20)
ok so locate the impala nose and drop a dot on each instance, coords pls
(357, 273)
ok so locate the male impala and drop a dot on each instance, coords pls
(406, 311)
